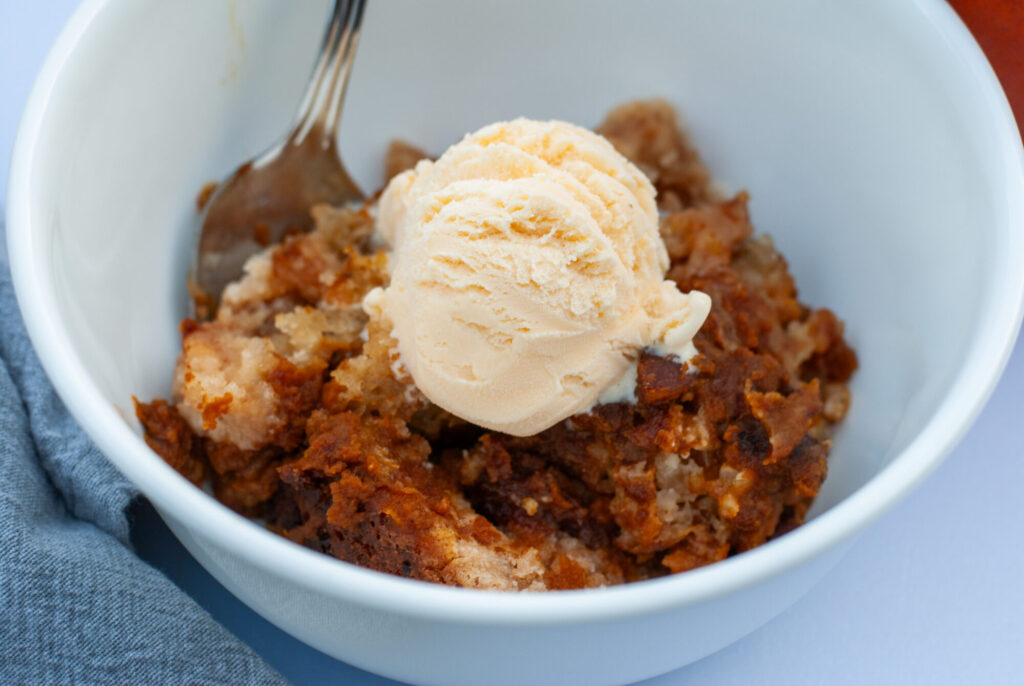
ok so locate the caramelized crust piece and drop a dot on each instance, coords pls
(171, 438)
(647, 133)
(401, 156)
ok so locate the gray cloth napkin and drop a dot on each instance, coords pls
(76, 605)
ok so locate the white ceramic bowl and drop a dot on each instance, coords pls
(878, 146)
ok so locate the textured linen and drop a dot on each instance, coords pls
(76, 605)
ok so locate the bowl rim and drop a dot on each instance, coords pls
(210, 521)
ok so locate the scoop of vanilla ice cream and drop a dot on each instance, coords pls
(527, 273)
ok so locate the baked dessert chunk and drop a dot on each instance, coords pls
(296, 406)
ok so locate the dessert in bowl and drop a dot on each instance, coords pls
(487, 380)
(865, 188)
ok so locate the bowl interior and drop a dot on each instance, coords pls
(845, 121)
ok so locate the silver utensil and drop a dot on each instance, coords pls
(269, 197)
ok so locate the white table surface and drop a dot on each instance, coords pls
(933, 593)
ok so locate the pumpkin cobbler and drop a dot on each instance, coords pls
(432, 386)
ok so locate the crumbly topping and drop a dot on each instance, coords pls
(294, 404)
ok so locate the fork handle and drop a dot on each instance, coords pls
(320, 109)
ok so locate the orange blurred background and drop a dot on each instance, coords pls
(998, 26)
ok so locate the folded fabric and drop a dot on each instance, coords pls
(76, 605)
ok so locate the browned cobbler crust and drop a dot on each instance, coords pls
(299, 411)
